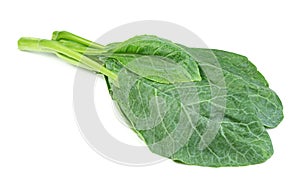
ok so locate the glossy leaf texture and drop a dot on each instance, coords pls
(173, 119)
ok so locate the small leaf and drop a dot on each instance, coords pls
(152, 50)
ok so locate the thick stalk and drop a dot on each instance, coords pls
(72, 61)
(42, 45)
(58, 35)
(81, 48)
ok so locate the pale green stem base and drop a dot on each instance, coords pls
(69, 55)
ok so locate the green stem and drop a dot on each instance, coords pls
(81, 48)
(72, 61)
(42, 45)
(58, 35)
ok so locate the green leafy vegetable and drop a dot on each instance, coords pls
(193, 105)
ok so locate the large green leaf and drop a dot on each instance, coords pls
(176, 120)
(172, 120)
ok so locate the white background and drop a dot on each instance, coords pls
(39, 137)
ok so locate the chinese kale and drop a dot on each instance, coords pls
(193, 105)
